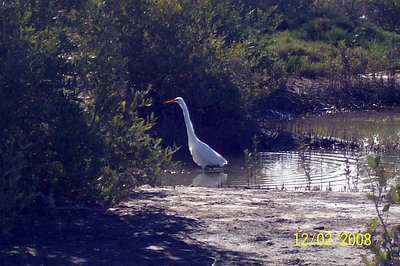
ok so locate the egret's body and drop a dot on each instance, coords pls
(202, 154)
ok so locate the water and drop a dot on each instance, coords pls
(372, 129)
(292, 170)
(312, 170)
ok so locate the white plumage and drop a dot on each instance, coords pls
(202, 154)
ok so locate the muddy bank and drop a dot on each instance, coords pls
(197, 226)
(313, 96)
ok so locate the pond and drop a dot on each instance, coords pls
(339, 170)
(371, 129)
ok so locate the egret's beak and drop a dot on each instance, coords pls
(170, 101)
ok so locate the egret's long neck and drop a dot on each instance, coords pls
(189, 127)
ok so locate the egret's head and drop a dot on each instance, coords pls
(177, 100)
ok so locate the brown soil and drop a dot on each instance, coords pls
(195, 226)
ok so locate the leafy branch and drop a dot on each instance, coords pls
(386, 246)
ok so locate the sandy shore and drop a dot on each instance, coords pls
(197, 226)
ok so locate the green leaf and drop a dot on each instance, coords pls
(374, 162)
(387, 174)
(374, 225)
(27, 16)
(395, 194)
(386, 207)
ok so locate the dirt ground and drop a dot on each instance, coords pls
(196, 226)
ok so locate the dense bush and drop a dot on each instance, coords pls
(64, 98)
(39, 103)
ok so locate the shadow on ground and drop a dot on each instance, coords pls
(126, 236)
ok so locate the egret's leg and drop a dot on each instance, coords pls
(202, 169)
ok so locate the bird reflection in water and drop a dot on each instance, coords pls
(211, 180)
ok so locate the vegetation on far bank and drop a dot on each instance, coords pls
(82, 82)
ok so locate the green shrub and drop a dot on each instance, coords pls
(326, 29)
(132, 157)
(63, 78)
(302, 58)
(385, 240)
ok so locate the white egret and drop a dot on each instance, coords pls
(202, 153)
